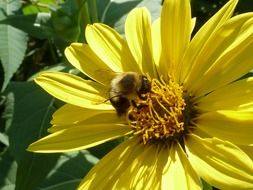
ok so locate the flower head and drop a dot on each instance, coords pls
(194, 121)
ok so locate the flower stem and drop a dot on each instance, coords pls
(93, 10)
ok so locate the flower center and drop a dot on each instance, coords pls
(158, 114)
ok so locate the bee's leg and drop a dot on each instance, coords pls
(133, 103)
(120, 104)
(142, 96)
(138, 106)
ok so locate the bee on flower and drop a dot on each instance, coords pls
(187, 116)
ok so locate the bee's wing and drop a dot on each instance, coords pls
(106, 75)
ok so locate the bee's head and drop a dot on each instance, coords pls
(145, 85)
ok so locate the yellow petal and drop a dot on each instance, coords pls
(190, 63)
(138, 35)
(74, 90)
(175, 33)
(98, 118)
(193, 23)
(80, 137)
(220, 163)
(130, 160)
(141, 169)
(110, 47)
(156, 40)
(248, 150)
(69, 114)
(235, 96)
(226, 57)
(233, 126)
(84, 59)
(179, 173)
(144, 167)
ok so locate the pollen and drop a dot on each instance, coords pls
(158, 114)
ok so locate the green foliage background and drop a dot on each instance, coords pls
(33, 36)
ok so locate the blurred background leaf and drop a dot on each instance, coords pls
(206, 186)
(36, 6)
(69, 171)
(29, 123)
(13, 42)
(114, 12)
(37, 25)
(8, 172)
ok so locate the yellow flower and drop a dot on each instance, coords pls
(195, 122)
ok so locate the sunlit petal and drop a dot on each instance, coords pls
(248, 150)
(236, 96)
(230, 45)
(193, 23)
(156, 40)
(74, 90)
(220, 163)
(110, 47)
(175, 34)
(133, 162)
(70, 116)
(80, 137)
(191, 60)
(233, 126)
(138, 35)
(84, 59)
(179, 174)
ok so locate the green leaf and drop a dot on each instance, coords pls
(60, 67)
(101, 150)
(63, 25)
(114, 12)
(13, 43)
(206, 186)
(4, 139)
(102, 6)
(69, 171)
(66, 20)
(40, 6)
(33, 110)
(37, 25)
(7, 117)
(8, 171)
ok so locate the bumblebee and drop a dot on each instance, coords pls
(125, 88)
